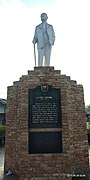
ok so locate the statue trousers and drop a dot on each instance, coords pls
(44, 55)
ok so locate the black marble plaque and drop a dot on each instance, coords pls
(44, 107)
(45, 142)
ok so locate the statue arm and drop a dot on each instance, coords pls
(35, 37)
(51, 35)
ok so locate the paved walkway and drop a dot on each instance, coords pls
(2, 176)
(12, 177)
(1, 162)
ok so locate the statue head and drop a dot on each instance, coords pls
(44, 17)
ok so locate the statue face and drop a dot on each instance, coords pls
(44, 17)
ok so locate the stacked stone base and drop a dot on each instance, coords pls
(74, 157)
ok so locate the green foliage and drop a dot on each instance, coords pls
(87, 108)
(2, 129)
(88, 119)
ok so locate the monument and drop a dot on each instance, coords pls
(46, 135)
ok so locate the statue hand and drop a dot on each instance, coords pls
(34, 42)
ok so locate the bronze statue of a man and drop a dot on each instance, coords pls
(44, 37)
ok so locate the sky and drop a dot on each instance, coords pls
(71, 52)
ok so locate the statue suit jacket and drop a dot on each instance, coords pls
(39, 37)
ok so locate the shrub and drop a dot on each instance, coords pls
(2, 129)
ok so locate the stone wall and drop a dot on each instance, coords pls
(74, 158)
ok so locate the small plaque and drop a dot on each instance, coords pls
(44, 107)
(45, 142)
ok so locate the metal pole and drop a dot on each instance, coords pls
(34, 54)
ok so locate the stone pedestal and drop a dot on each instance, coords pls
(72, 157)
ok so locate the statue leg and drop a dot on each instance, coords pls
(40, 57)
(47, 54)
